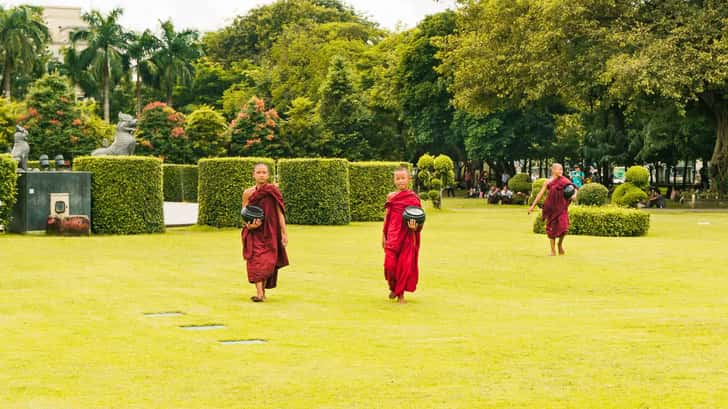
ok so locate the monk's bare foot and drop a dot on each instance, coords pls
(401, 299)
(562, 252)
(255, 298)
(552, 254)
(392, 295)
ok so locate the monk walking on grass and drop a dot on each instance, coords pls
(555, 208)
(401, 241)
(264, 241)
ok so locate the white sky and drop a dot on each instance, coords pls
(207, 15)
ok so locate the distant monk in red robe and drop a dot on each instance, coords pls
(264, 242)
(555, 208)
(401, 241)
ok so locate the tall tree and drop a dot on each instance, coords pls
(23, 36)
(344, 117)
(174, 58)
(678, 50)
(140, 51)
(105, 42)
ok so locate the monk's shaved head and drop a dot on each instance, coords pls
(557, 169)
(402, 169)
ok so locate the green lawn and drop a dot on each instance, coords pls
(617, 323)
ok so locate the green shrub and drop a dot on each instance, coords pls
(603, 221)
(436, 184)
(628, 195)
(180, 183)
(535, 188)
(161, 133)
(316, 190)
(254, 132)
(424, 196)
(370, 182)
(220, 189)
(593, 194)
(520, 183)
(10, 114)
(56, 125)
(207, 132)
(126, 193)
(8, 185)
(638, 176)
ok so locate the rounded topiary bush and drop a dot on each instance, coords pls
(520, 183)
(180, 183)
(8, 186)
(638, 176)
(316, 190)
(593, 194)
(370, 182)
(628, 195)
(535, 188)
(603, 221)
(220, 189)
(126, 193)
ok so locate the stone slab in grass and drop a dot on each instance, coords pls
(204, 327)
(243, 342)
(163, 314)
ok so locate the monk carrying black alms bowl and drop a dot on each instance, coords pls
(264, 234)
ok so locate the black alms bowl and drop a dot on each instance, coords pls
(251, 212)
(414, 213)
(569, 191)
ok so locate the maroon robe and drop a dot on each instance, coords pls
(556, 208)
(263, 247)
(402, 245)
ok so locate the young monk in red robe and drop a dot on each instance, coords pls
(400, 240)
(556, 207)
(264, 242)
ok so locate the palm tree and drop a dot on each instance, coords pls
(174, 58)
(105, 41)
(23, 35)
(140, 51)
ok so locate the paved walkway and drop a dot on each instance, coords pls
(180, 214)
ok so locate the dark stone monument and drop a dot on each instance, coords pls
(51, 194)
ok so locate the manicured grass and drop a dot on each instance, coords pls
(617, 323)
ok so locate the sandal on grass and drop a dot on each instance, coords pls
(256, 299)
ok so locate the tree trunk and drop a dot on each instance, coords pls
(138, 93)
(169, 98)
(7, 79)
(107, 94)
(719, 161)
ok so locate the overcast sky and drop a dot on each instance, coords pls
(207, 15)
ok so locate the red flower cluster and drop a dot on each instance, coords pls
(76, 122)
(54, 122)
(154, 105)
(177, 132)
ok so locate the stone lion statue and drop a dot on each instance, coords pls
(21, 148)
(124, 142)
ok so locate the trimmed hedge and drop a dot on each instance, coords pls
(370, 182)
(638, 176)
(628, 195)
(593, 194)
(316, 190)
(126, 193)
(220, 189)
(180, 183)
(8, 187)
(520, 183)
(535, 188)
(603, 221)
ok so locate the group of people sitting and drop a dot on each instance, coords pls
(494, 195)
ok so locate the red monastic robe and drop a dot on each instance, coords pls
(556, 208)
(263, 247)
(402, 245)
